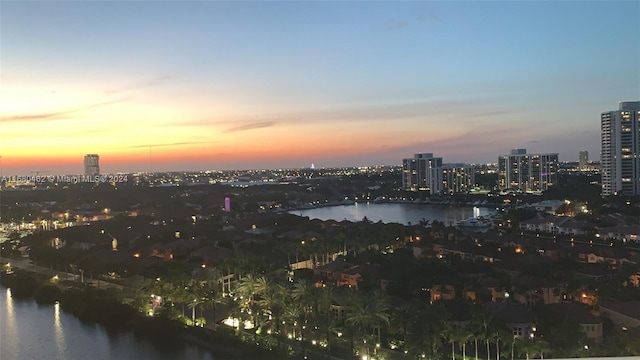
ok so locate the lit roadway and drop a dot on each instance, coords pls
(25, 264)
(598, 242)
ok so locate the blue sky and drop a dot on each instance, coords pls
(221, 85)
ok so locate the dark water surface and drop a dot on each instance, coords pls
(32, 332)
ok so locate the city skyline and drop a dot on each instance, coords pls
(220, 85)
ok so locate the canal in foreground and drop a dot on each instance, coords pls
(34, 332)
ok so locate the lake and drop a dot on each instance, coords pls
(32, 331)
(396, 213)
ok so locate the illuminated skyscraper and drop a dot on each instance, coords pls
(91, 164)
(527, 172)
(457, 178)
(620, 157)
(422, 172)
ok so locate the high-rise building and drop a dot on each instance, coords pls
(583, 159)
(457, 178)
(422, 172)
(524, 172)
(620, 156)
(91, 164)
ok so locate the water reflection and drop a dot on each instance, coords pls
(396, 213)
(58, 330)
(10, 321)
(34, 332)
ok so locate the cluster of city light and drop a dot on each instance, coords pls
(235, 323)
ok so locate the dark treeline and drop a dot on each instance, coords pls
(98, 306)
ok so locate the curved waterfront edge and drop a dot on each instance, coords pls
(99, 306)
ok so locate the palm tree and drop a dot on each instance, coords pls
(201, 322)
(211, 300)
(476, 327)
(500, 334)
(262, 285)
(483, 323)
(463, 335)
(425, 332)
(450, 334)
(325, 302)
(307, 296)
(196, 299)
(293, 314)
(370, 314)
(542, 347)
(273, 302)
(247, 287)
(525, 347)
(402, 316)
(380, 312)
(457, 333)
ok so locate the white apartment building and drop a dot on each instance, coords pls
(620, 157)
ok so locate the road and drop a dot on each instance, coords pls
(25, 264)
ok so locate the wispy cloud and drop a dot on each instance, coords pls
(140, 85)
(396, 25)
(428, 13)
(63, 113)
(392, 111)
(170, 144)
(246, 127)
(424, 15)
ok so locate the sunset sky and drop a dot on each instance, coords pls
(159, 86)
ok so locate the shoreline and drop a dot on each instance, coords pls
(92, 305)
(376, 202)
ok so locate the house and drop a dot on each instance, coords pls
(212, 254)
(621, 232)
(515, 316)
(437, 288)
(589, 324)
(596, 273)
(516, 265)
(549, 206)
(612, 256)
(349, 277)
(493, 286)
(442, 292)
(471, 251)
(533, 290)
(343, 273)
(459, 311)
(555, 225)
(624, 314)
(330, 271)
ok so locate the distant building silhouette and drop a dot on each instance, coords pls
(524, 172)
(620, 157)
(583, 159)
(91, 164)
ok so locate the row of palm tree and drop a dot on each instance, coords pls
(303, 311)
(336, 316)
